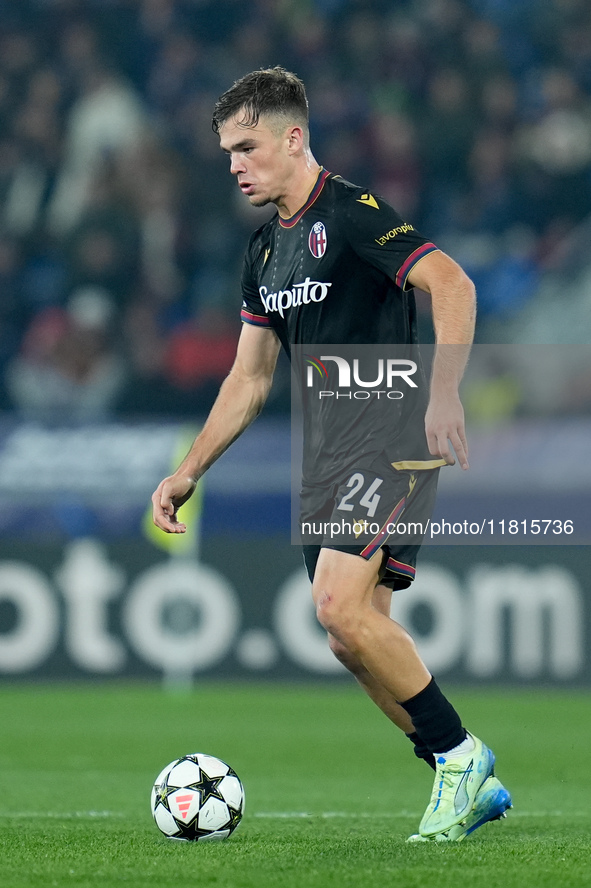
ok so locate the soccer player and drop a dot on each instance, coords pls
(336, 264)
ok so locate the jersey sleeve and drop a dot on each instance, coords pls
(381, 237)
(253, 311)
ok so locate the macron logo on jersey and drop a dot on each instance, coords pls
(369, 200)
(300, 294)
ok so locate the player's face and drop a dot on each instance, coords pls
(259, 158)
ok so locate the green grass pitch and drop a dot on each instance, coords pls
(332, 789)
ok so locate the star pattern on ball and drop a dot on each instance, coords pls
(207, 787)
(235, 818)
(163, 790)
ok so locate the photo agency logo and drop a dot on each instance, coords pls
(389, 377)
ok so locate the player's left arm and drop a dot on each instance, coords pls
(453, 300)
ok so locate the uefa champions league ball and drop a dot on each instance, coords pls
(196, 798)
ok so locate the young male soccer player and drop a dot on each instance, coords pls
(336, 265)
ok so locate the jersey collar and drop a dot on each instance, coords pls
(314, 194)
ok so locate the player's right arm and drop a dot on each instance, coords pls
(240, 400)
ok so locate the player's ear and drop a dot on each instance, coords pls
(295, 139)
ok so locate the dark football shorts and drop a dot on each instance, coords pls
(379, 505)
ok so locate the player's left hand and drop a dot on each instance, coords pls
(167, 499)
(444, 424)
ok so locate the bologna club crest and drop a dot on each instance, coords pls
(317, 240)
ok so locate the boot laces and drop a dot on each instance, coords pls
(446, 782)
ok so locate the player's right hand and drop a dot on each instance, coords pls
(167, 499)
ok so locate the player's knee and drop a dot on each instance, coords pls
(329, 612)
(339, 619)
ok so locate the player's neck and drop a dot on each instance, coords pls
(299, 187)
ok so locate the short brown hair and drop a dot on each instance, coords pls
(272, 91)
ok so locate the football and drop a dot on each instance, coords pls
(197, 798)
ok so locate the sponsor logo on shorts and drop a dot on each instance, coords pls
(389, 235)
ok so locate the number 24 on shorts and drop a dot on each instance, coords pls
(370, 498)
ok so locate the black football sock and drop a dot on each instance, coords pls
(421, 751)
(435, 720)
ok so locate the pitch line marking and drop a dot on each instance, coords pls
(60, 815)
(269, 815)
(366, 815)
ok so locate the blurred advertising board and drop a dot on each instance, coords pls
(88, 589)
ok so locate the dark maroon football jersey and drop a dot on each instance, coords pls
(336, 272)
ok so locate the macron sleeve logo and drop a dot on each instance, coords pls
(369, 200)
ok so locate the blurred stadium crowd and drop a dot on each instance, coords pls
(122, 232)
